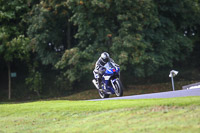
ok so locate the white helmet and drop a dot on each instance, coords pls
(105, 56)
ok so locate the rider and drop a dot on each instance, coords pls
(99, 67)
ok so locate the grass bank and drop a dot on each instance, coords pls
(147, 115)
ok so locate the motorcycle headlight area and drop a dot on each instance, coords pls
(106, 77)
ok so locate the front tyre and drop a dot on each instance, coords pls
(118, 88)
(103, 95)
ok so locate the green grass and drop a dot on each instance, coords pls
(148, 115)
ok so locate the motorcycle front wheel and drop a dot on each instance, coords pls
(118, 88)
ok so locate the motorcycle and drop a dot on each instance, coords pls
(111, 83)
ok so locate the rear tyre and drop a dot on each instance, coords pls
(103, 95)
(118, 88)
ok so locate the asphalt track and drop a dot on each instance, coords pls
(169, 94)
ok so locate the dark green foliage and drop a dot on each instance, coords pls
(48, 30)
(34, 81)
(140, 35)
(68, 36)
(13, 43)
(17, 48)
(75, 64)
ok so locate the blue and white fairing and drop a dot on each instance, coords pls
(109, 77)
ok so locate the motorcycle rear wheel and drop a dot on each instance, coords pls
(103, 95)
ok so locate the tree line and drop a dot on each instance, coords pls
(55, 43)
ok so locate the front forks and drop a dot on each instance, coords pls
(112, 82)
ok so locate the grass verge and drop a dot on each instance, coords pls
(147, 115)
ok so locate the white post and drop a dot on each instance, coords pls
(172, 82)
(172, 74)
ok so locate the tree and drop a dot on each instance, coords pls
(13, 43)
(146, 35)
(17, 48)
(50, 30)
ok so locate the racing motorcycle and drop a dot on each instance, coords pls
(111, 83)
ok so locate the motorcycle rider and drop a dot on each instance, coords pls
(100, 69)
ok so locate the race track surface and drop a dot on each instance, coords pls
(169, 94)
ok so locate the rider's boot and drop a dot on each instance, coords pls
(99, 84)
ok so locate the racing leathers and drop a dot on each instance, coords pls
(100, 69)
